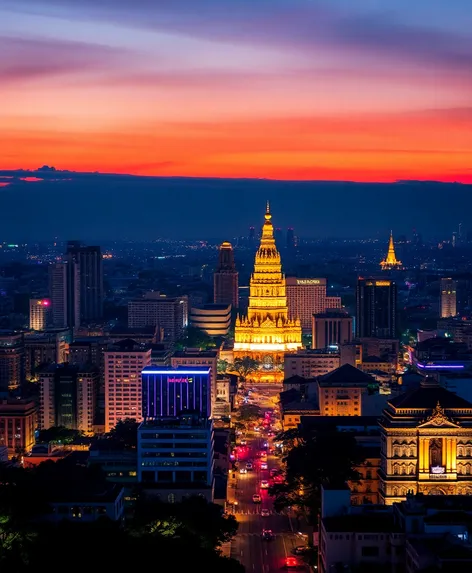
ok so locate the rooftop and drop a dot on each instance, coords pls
(427, 396)
(195, 353)
(375, 523)
(346, 375)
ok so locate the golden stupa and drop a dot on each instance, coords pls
(266, 333)
(390, 262)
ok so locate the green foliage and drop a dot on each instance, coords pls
(126, 433)
(318, 457)
(249, 413)
(195, 338)
(59, 435)
(222, 366)
(244, 366)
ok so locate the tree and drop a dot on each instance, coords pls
(126, 433)
(320, 457)
(244, 366)
(195, 338)
(59, 435)
(222, 366)
(249, 413)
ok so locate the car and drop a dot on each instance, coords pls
(264, 484)
(256, 498)
(301, 549)
(249, 466)
(267, 535)
(274, 472)
(243, 471)
(263, 465)
(291, 563)
(265, 512)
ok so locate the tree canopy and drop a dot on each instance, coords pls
(126, 433)
(318, 457)
(59, 435)
(244, 366)
(195, 338)
(249, 413)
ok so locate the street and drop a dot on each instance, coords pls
(249, 547)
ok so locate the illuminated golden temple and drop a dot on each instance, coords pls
(266, 333)
(390, 262)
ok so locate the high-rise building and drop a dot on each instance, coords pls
(169, 392)
(39, 313)
(169, 314)
(198, 358)
(306, 297)
(90, 268)
(331, 328)
(12, 360)
(68, 396)
(124, 361)
(18, 421)
(64, 293)
(390, 262)
(448, 297)
(213, 319)
(376, 308)
(225, 278)
(45, 347)
(267, 332)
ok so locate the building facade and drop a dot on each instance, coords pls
(18, 419)
(68, 396)
(267, 333)
(213, 319)
(311, 363)
(225, 279)
(376, 308)
(167, 313)
(170, 392)
(448, 301)
(331, 329)
(64, 293)
(306, 297)
(198, 358)
(45, 348)
(39, 313)
(124, 362)
(12, 364)
(426, 444)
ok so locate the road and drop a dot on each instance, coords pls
(256, 554)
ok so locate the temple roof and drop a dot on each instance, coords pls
(427, 397)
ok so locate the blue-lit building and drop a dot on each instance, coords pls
(170, 392)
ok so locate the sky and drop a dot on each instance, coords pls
(365, 90)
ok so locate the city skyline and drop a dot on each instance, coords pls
(291, 89)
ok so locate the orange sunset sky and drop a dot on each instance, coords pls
(286, 89)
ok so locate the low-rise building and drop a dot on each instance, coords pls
(309, 363)
(18, 420)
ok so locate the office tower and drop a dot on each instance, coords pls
(331, 329)
(64, 293)
(306, 297)
(213, 319)
(124, 361)
(176, 455)
(290, 238)
(376, 308)
(252, 235)
(45, 347)
(170, 392)
(18, 422)
(225, 278)
(448, 298)
(198, 358)
(12, 365)
(390, 262)
(68, 396)
(39, 313)
(267, 332)
(279, 238)
(340, 391)
(90, 268)
(168, 313)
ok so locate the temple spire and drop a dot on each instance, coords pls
(391, 262)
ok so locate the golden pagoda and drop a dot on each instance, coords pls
(390, 262)
(266, 333)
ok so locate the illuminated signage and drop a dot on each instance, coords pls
(308, 282)
(382, 283)
(180, 379)
(438, 470)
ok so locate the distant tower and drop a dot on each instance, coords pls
(390, 262)
(225, 279)
(290, 238)
(39, 311)
(448, 297)
(376, 302)
(252, 235)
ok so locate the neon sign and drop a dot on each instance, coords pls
(308, 281)
(180, 379)
(438, 470)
